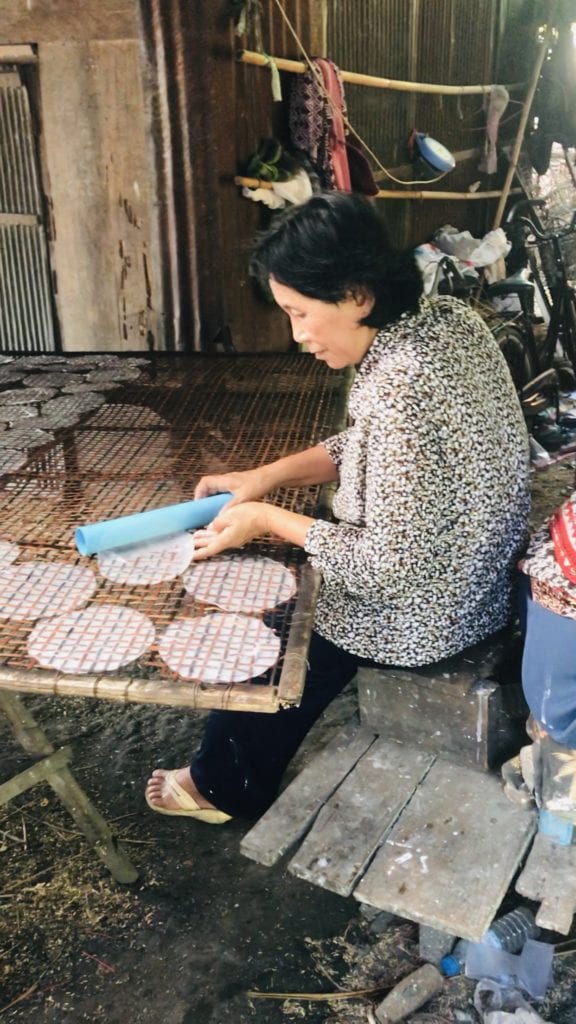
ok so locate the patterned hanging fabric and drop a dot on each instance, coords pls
(316, 119)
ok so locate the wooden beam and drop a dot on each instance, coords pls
(506, 188)
(391, 193)
(18, 55)
(355, 78)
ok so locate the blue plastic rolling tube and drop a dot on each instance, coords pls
(156, 523)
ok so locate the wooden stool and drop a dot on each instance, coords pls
(469, 707)
(53, 769)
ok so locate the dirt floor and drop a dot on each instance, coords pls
(204, 927)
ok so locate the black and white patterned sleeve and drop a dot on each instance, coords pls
(383, 550)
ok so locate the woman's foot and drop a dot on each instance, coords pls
(174, 793)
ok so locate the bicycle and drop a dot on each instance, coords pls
(541, 356)
(543, 277)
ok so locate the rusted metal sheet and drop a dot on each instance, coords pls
(26, 322)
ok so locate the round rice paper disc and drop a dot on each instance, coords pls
(52, 379)
(17, 413)
(240, 584)
(101, 638)
(23, 396)
(113, 375)
(152, 562)
(219, 648)
(11, 460)
(8, 552)
(34, 589)
(24, 437)
(81, 387)
(123, 416)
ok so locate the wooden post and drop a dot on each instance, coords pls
(521, 129)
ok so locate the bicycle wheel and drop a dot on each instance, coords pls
(567, 332)
(515, 352)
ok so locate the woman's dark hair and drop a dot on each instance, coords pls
(333, 245)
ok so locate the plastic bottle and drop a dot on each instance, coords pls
(409, 994)
(453, 963)
(508, 933)
(511, 931)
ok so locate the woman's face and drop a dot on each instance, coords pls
(332, 332)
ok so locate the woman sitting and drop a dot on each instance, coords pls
(432, 505)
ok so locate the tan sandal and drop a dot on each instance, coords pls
(187, 806)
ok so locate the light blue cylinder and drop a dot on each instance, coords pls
(151, 525)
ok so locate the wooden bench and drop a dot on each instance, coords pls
(469, 707)
(401, 809)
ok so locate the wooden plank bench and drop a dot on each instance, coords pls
(400, 829)
(470, 706)
(403, 811)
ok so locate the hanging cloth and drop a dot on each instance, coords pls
(317, 123)
(337, 145)
(497, 103)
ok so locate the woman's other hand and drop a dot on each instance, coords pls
(249, 485)
(233, 526)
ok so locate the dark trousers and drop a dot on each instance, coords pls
(243, 754)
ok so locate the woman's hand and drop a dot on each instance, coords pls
(249, 485)
(232, 528)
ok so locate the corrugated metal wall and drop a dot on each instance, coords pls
(439, 41)
(25, 301)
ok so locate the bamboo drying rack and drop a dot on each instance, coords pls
(184, 417)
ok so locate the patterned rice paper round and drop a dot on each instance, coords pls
(240, 584)
(45, 362)
(25, 438)
(34, 589)
(8, 552)
(51, 379)
(101, 638)
(81, 387)
(8, 375)
(119, 416)
(219, 648)
(110, 376)
(73, 405)
(12, 460)
(23, 396)
(153, 562)
(16, 413)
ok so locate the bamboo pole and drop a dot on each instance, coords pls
(392, 194)
(355, 78)
(541, 56)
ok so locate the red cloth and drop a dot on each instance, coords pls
(317, 123)
(563, 533)
(338, 153)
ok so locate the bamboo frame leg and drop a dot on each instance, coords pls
(53, 769)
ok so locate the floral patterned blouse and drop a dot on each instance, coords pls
(433, 501)
(550, 587)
